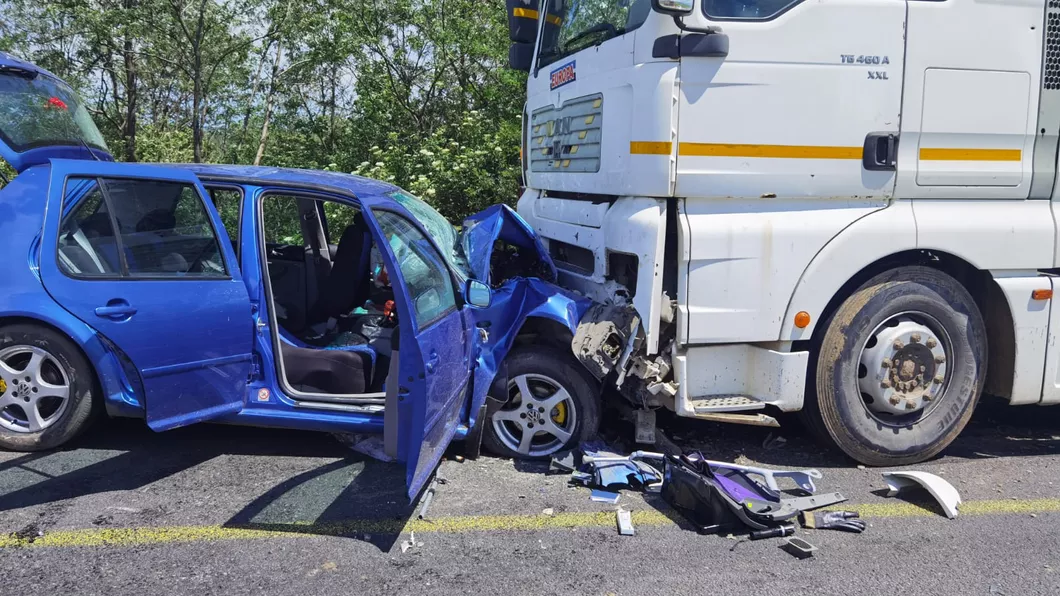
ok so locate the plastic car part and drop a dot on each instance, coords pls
(798, 547)
(804, 478)
(943, 491)
(625, 522)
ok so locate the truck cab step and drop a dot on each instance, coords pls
(726, 403)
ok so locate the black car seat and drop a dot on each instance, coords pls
(348, 285)
(335, 372)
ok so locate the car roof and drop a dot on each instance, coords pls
(9, 61)
(361, 187)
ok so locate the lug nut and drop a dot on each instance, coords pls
(940, 359)
(894, 400)
(927, 397)
(898, 345)
(910, 404)
(886, 363)
(939, 379)
(886, 383)
(915, 338)
(931, 343)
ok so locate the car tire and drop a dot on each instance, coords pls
(63, 371)
(555, 421)
(899, 368)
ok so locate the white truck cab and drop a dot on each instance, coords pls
(840, 207)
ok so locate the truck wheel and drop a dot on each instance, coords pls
(548, 405)
(899, 368)
(46, 388)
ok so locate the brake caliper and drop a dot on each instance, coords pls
(3, 386)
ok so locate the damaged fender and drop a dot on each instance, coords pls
(943, 491)
(514, 300)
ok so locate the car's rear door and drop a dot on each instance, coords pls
(133, 251)
(434, 363)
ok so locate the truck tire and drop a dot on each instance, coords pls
(562, 411)
(899, 368)
(46, 388)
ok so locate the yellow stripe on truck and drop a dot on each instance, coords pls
(526, 13)
(971, 154)
(651, 148)
(775, 151)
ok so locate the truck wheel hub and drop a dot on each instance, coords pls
(902, 367)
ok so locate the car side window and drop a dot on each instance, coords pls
(88, 246)
(751, 10)
(137, 228)
(424, 272)
(229, 203)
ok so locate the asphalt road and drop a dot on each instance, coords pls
(226, 510)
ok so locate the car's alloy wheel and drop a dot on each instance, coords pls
(46, 388)
(548, 403)
(34, 389)
(539, 418)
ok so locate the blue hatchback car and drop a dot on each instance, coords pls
(267, 297)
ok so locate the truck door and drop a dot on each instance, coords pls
(434, 367)
(808, 91)
(133, 251)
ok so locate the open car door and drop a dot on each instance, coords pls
(427, 398)
(134, 252)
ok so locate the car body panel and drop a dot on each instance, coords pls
(500, 222)
(189, 338)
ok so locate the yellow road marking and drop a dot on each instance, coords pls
(971, 155)
(651, 148)
(460, 524)
(776, 151)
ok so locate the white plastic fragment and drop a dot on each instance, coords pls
(943, 491)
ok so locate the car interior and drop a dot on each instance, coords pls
(333, 306)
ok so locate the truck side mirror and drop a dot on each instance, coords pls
(678, 8)
(478, 294)
(522, 20)
(521, 56)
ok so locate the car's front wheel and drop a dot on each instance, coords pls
(549, 404)
(45, 388)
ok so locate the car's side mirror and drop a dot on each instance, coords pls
(478, 294)
(677, 8)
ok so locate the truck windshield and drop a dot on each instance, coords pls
(573, 25)
(37, 110)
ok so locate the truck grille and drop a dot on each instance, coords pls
(567, 139)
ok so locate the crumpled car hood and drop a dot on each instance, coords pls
(482, 230)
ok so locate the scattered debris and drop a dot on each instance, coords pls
(773, 441)
(458, 459)
(798, 547)
(725, 497)
(428, 497)
(614, 472)
(548, 511)
(410, 543)
(645, 427)
(603, 496)
(625, 522)
(943, 491)
(845, 521)
(777, 532)
(370, 445)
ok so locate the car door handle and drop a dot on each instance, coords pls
(432, 362)
(115, 309)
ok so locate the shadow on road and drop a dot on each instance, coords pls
(123, 455)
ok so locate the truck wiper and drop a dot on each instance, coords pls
(597, 28)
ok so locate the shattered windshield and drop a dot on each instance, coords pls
(37, 110)
(573, 25)
(441, 231)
